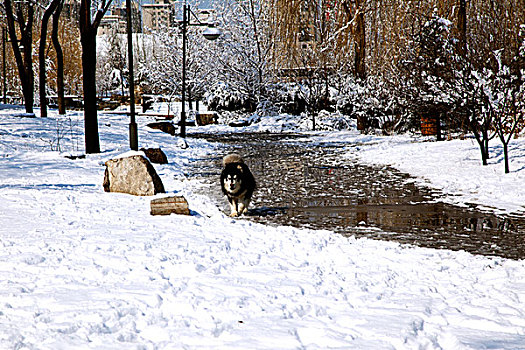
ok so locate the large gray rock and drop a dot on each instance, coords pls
(134, 175)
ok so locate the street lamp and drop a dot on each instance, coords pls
(211, 33)
(133, 136)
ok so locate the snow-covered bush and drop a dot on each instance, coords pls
(372, 99)
(112, 64)
(267, 108)
(287, 97)
(330, 121)
(223, 96)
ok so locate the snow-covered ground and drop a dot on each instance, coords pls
(85, 269)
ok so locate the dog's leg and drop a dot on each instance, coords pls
(243, 206)
(233, 208)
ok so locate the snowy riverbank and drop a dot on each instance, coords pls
(81, 268)
(454, 167)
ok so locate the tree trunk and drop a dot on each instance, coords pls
(481, 133)
(486, 146)
(505, 141)
(483, 145)
(42, 57)
(439, 137)
(462, 27)
(89, 61)
(360, 42)
(88, 39)
(24, 64)
(506, 156)
(60, 59)
(259, 50)
(355, 9)
(484, 157)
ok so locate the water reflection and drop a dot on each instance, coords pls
(318, 187)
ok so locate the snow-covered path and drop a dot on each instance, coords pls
(85, 269)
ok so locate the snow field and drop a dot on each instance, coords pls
(211, 283)
(85, 269)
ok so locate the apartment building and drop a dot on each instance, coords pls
(116, 19)
(147, 18)
(158, 15)
(163, 14)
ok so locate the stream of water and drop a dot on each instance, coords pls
(312, 186)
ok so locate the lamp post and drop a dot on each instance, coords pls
(211, 33)
(133, 136)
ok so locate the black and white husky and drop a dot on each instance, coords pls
(237, 183)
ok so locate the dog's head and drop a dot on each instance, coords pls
(232, 178)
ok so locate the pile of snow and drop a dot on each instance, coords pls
(82, 268)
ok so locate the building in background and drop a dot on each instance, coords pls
(165, 14)
(116, 19)
(148, 15)
(158, 15)
(299, 27)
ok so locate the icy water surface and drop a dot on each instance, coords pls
(309, 186)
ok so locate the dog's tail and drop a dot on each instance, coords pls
(232, 158)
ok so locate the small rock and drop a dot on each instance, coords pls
(170, 205)
(206, 118)
(155, 155)
(167, 127)
(182, 143)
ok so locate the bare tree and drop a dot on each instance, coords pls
(49, 10)
(23, 15)
(91, 14)
(507, 125)
(59, 59)
(508, 100)
(243, 51)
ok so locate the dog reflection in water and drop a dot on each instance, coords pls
(237, 183)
